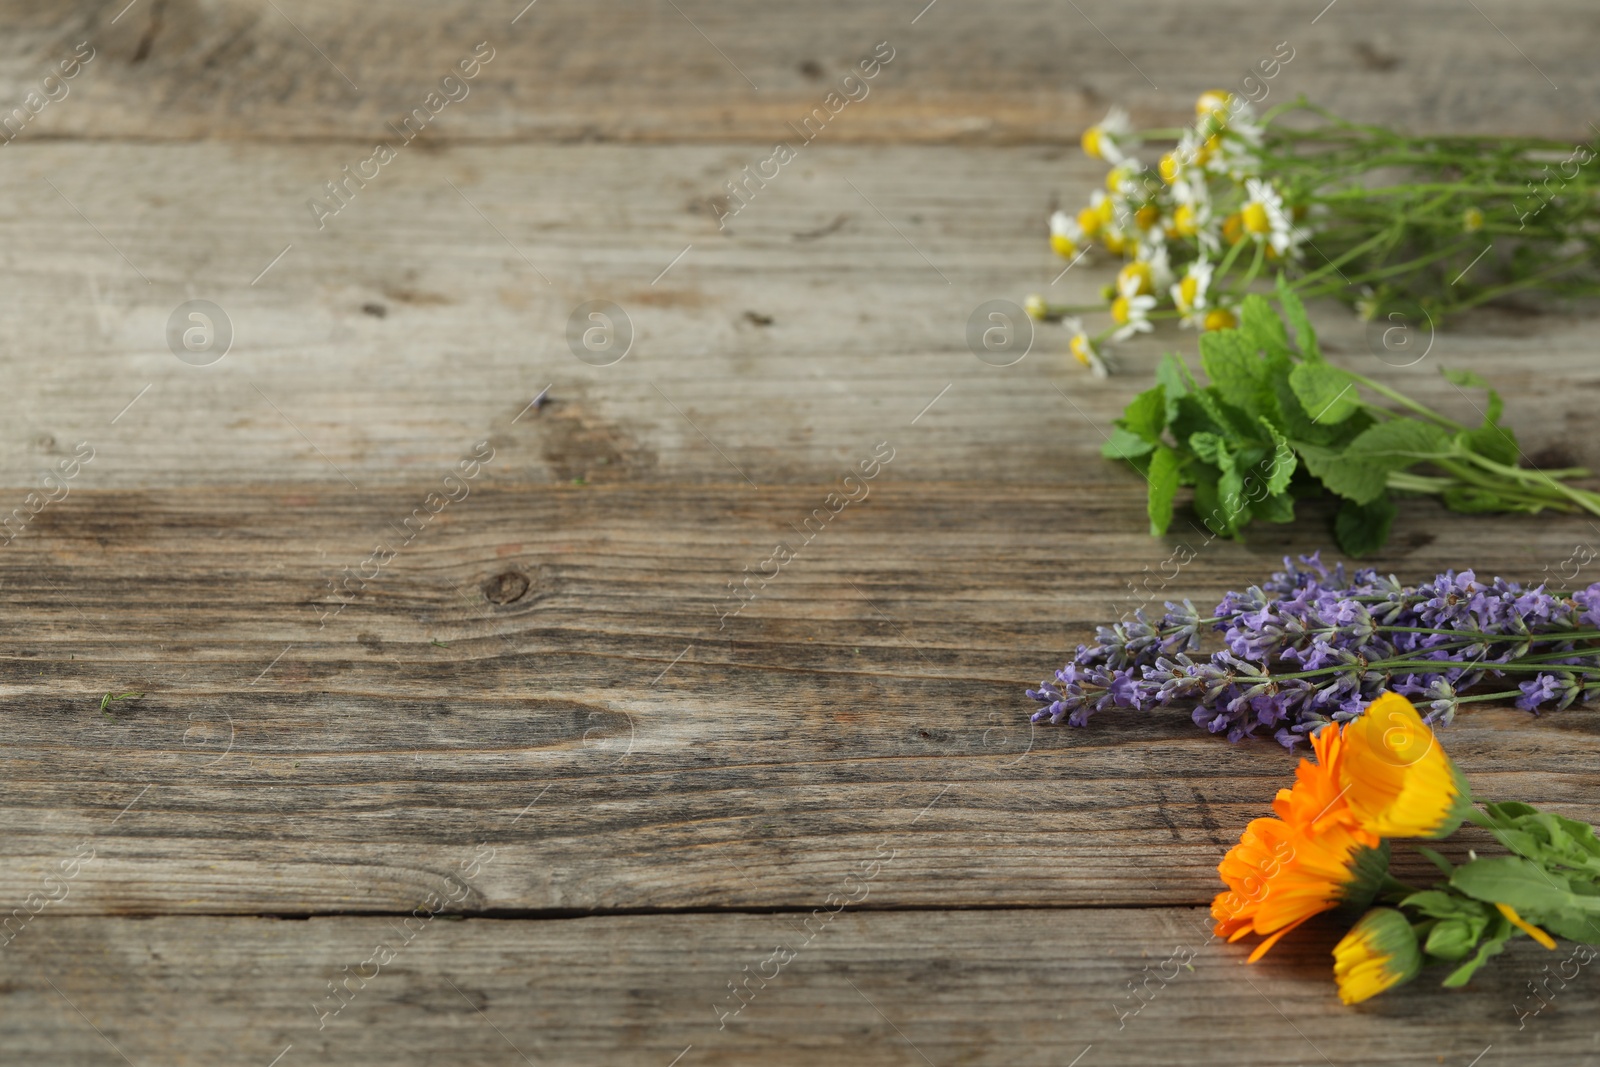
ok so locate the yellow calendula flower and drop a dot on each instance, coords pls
(1379, 953)
(1400, 782)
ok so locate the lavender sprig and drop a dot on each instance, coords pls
(1314, 645)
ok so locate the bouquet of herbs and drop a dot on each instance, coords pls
(1373, 216)
(1384, 777)
(1314, 647)
(1276, 422)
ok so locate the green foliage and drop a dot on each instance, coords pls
(1275, 422)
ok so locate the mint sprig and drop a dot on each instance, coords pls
(1276, 423)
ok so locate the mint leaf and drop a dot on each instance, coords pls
(1146, 414)
(1282, 463)
(1124, 445)
(1362, 529)
(1163, 476)
(1174, 377)
(1278, 508)
(1470, 380)
(1295, 312)
(1398, 444)
(1327, 393)
(1208, 447)
(1261, 326)
(1235, 371)
(1492, 442)
(1351, 479)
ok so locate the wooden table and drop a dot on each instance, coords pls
(489, 752)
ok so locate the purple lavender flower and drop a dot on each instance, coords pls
(1348, 638)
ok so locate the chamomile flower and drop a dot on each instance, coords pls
(1130, 310)
(1084, 350)
(1263, 217)
(1112, 138)
(1192, 295)
(1066, 235)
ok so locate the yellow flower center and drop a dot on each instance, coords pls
(1147, 216)
(1089, 221)
(1091, 142)
(1188, 289)
(1219, 319)
(1119, 311)
(1472, 220)
(1183, 222)
(1080, 349)
(1169, 168)
(1137, 271)
(1233, 228)
(1213, 103)
(1064, 246)
(1107, 210)
(1115, 243)
(1211, 147)
(1255, 218)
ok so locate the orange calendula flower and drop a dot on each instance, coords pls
(1379, 953)
(1312, 858)
(1397, 779)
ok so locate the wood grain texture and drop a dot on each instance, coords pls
(1005, 72)
(382, 348)
(535, 711)
(300, 760)
(1003, 988)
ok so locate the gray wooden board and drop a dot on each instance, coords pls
(1032, 987)
(542, 671)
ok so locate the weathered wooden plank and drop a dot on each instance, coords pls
(942, 987)
(1026, 70)
(381, 349)
(292, 756)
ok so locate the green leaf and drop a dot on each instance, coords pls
(1453, 938)
(1124, 445)
(1261, 326)
(1499, 934)
(1208, 446)
(1327, 393)
(1283, 461)
(1146, 414)
(1351, 479)
(1174, 377)
(1362, 529)
(1470, 380)
(1434, 858)
(1163, 476)
(1295, 312)
(1492, 442)
(1209, 504)
(1276, 508)
(1236, 373)
(1397, 444)
(1523, 885)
